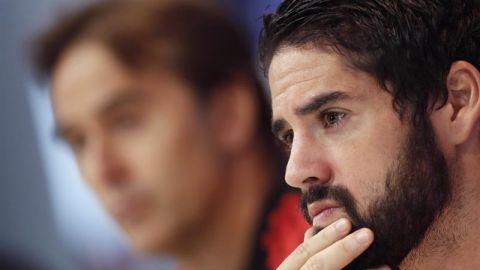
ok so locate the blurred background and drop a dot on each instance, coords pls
(48, 217)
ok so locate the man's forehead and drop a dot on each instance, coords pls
(304, 78)
(292, 66)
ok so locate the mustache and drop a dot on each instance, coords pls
(339, 194)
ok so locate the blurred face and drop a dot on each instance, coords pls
(352, 156)
(142, 143)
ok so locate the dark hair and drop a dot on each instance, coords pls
(407, 45)
(193, 40)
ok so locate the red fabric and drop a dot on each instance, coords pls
(285, 230)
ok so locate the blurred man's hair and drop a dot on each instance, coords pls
(193, 40)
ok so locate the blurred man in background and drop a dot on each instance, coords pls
(160, 103)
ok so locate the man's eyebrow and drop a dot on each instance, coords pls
(319, 101)
(129, 96)
(277, 126)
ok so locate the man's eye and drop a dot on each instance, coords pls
(125, 121)
(332, 118)
(77, 143)
(287, 138)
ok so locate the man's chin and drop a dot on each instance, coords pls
(149, 240)
(150, 246)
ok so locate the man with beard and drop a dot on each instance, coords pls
(378, 105)
(169, 126)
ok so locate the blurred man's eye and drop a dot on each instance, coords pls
(76, 142)
(125, 121)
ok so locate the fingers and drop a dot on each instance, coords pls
(309, 233)
(342, 252)
(315, 244)
(385, 267)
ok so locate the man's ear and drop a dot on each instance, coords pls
(463, 105)
(233, 111)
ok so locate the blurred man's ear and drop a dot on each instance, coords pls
(233, 111)
(459, 119)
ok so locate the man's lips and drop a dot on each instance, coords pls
(321, 211)
(128, 208)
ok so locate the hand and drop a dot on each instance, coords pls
(329, 249)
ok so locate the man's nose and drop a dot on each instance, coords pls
(307, 165)
(105, 165)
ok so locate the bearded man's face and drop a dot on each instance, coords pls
(417, 189)
(352, 156)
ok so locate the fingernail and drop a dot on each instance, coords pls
(362, 237)
(341, 226)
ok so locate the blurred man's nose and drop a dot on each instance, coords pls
(104, 164)
(307, 164)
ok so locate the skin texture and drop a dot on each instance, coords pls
(134, 136)
(331, 248)
(339, 128)
(353, 123)
(362, 122)
(173, 170)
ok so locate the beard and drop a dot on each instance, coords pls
(417, 189)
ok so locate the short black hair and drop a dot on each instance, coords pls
(408, 45)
